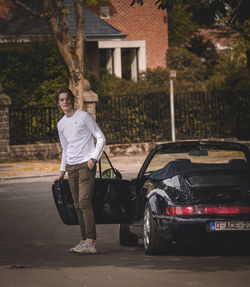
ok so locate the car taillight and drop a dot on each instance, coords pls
(195, 210)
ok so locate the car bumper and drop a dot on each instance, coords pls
(182, 230)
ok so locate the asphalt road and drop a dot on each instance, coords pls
(33, 244)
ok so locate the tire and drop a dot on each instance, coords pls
(152, 242)
(126, 237)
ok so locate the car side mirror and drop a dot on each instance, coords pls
(111, 173)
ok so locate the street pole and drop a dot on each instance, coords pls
(172, 75)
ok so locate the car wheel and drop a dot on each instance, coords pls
(153, 244)
(126, 237)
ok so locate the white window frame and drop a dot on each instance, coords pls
(140, 45)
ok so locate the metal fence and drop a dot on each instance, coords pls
(34, 125)
(134, 118)
(206, 115)
(146, 118)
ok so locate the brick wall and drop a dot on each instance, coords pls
(5, 102)
(145, 22)
(35, 151)
(4, 132)
(54, 151)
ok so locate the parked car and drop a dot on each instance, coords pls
(184, 192)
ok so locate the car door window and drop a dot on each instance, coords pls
(102, 165)
(105, 168)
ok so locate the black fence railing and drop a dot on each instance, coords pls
(146, 118)
(34, 125)
(206, 115)
(134, 118)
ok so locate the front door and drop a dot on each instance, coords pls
(113, 199)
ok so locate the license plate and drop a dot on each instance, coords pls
(229, 225)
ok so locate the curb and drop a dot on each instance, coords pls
(26, 177)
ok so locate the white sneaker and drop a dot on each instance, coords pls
(86, 247)
(82, 242)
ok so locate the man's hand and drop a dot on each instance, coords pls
(90, 164)
(61, 176)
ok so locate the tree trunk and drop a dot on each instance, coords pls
(77, 87)
(71, 47)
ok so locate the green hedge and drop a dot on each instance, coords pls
(31, 72)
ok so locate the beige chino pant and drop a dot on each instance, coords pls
(81, 182)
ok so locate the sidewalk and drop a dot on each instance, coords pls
(46, 168)
(28, 168)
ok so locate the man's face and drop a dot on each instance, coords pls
(65, 102)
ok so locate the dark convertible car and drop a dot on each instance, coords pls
(184, 192)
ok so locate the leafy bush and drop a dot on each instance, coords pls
(180, 24)
(238, 80)
(189, 66)
(204, 49)
(31, 72)
(110, 85)
(31, 78)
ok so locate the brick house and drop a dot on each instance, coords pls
(120, 39)
(222, 37)
(146, 42)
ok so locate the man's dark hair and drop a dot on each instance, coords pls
(65, 90)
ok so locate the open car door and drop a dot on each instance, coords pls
(113, 198)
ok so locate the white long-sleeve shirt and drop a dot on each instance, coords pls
(77, 135)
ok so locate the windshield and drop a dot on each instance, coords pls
(205, 156)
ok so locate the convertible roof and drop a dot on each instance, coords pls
(182, 166)
(188, 145)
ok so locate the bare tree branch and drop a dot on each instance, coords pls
(28, 9)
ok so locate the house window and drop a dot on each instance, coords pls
(104, 12)
(129, 63)
(128, 57)
(106, 61)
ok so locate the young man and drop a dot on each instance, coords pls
(77, 131)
